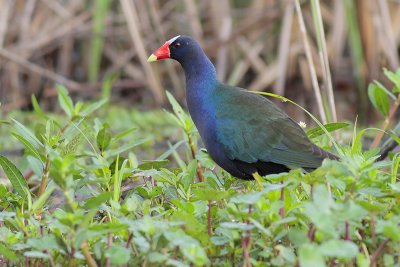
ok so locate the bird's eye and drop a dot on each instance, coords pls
(177, 45)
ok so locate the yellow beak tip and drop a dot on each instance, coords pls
(152, 58)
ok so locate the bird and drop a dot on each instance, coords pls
(245, 133)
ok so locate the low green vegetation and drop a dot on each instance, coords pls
(84, 192)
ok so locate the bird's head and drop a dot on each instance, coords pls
(178, 48)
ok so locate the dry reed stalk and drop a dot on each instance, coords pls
(253, 23)
(46, 38)
(243, 65)
(59, 9)
(337, 40)
(14, 58)
(222, 26)
(5, 8)
(284, 45)
(194, 20)
(67, 47)
(120, 60)
(239, 70)
(311, 66)
(324, 58)
(390, 50)
(26, 19)
(262, 81)
(368, 29)
(395, 15)
(172, 73)
(130, 13)
(251, 52)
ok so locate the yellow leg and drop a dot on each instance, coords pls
(258, 179)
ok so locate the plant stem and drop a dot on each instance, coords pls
(378, 252)
(347, 234)
(246, 243)
(311, 232)
(209, 219)
(386, 123)
(386, 149)
(193, 151)
(128, 243)
(282, 210)
(71, 257)
(45, 176)
(90, 261)
(109, 243)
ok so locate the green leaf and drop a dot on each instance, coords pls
(287, 253)
(8, 253)
(309, 255)
(36, 254)
(42, 243)
(118, 254)
(124, 133)
(111, 227)
(103, 138)
(339, 248)
(395, 78)
(152, 164)
(15, 176)
(156, 191)
(156, 257)
(118, 176)
(89, 109)
(183, 120)
(330, 127)
(237, 225)
(27, 134)
(249, 198)
(29, 147)
(389, 228)
(195, 253)
(121, 149)
(210, 194)
(65, 101)
(37, 108)
(96, 201)
(379, 98)
(39, 203)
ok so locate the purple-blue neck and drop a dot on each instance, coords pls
(200, 73)
(201, 83)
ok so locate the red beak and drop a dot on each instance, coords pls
(163, 51)
(160, 53)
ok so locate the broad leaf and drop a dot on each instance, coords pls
(394, 78)
(339, 248)
(64, 100)
(379, 98)
(29, 147)
(103, 138)
(15, 176)
(27, 134)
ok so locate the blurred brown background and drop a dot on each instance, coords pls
(100, 48)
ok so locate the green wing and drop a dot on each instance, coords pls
(251, 128)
